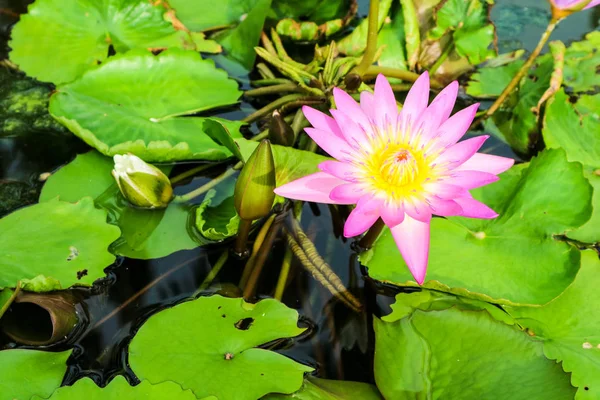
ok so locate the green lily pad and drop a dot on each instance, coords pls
(119, 388)
(476, 357)
(472, 32)
(219, 348)
(85, 29)
(324, 389)
(561, 120)
(25, 373)
(355, 43)
(513, 258)
(582, 62)
(216, 218)
(57, 240)
(489, 82)
(203, 15)
(568, 327)
(392, 38)
(141, 114)
(145, 234)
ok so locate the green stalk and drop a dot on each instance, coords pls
(272, 106)
(442, 58)
(261, 257)
(283, 274)
(191, 172)
(204, 188)
(369, 54)
(408, 76)
(213, 273)
(11, 299)
(275, 89)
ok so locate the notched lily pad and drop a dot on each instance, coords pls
(142, 113)
(55, 240)
(324, 389)
(216, 218)
(469, 257)
(218, 343)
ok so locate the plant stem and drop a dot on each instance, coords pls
(190, 172)
(372, 234)
(240, 247)
(11, 299)
(261, 257)
(213, 273)
(283, 274)
(204, 188)
(272, 106)
(274, 89)
(524, 69)
(408, 76)
(268, 82)
(369, 54)
(260, 238)
(442, 58)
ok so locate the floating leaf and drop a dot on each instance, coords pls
(569, 327)
(469, 257)
(216, 218)
(323, 389)
(119, 388)
(355, 43)
(413, 360)
(25, 373)
(202, 15)
(141, 114)
(489, 82)
(145, 234)
(392, 37)
(576, 129)
(219, 348)
(57, 240)
(582, 62)
(58, 40)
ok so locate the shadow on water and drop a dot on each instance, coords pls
(339, 342)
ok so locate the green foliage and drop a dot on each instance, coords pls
(489, 82)
(216, 218)
(323, 389)
(55, 240)
(513, 258)
(437, 346)
(119, 388)
(568, 327)
(392, 36)
(58, 40)
(142, 113)
(218, 349)
(582, 62)
(356, 42)
(202, 15)
(26, 373)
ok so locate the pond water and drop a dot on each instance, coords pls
(339, 342)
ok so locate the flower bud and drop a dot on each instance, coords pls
(143, 185)
(352, 81)
(254, 196)
(280, 132)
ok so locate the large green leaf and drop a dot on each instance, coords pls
(200, 15)
(489, 82)
(355, 43)
(145, 234)
(5, 296)
(58, 240)
(25, 373)
(392, 38)
(569, 327)
(436, 346)
(216, 217)
(582, 62)
(513, 258)
(215, 351)
(58, 40)
(576, 129)
(119, 388)
(323, 389)
(142, 112)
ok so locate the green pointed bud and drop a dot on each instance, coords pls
(280, 132)
(143, 185)
(254, 196)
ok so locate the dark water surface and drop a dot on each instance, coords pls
(339, 342)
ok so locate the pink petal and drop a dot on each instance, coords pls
(436, 114)
(367, 103)
(475, 209)
(345, 103)
(386, 110)
(460, 152)
(362, 217)
(315, 187)
(471, 179)
(342, 170)
(412, 239)
(347, 193)
(592, 3)
(333, 145)
(322, 121)
(392, 214)
(354, 134)
(443, 207)
(416, 101)
(417, 209)
(445, 190)
(454, 128)
(487, 163)
(448, 98)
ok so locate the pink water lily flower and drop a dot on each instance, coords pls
(400, 166)
(574, 5)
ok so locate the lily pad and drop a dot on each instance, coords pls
(25, 373)
(142, 113)
(203, 15)
(55, 239)
(561, 120)
(216, 218)
(582, 62)
(569, 327)
(476, 357)
(85, 29)
(145, 234)
(355, 43)
(219, 348)
(119, 388)
(469, 257)
(392, 36)
(324, 389)
(489, 82)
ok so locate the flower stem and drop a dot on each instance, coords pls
(213, 273)
(272, 81)
(274, 89)
(369, 54)
(261, 257)
(442, 58)
(260, 238)
(524, 69)
(190, 172)
(408, 76)
(283, 274)
(372, 234)
(11, 299)
(274, 105)
(205, 188)
(240, 247)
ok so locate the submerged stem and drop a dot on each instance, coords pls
(204, 188)
(261, 257)
(190, 172)
(240, 247)
(372, 234)
(524, 69)
(369, 54)
(213, 273)
(283, 274)
(260, 238)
